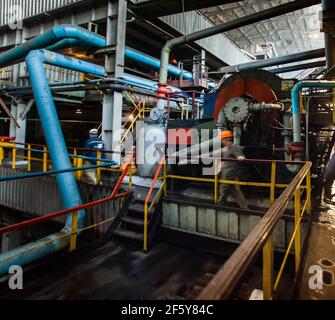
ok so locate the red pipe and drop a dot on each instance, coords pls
(154, 181)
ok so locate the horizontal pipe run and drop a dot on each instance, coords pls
(51, 37)
(230, 25)
(259, 64)
(297, 67)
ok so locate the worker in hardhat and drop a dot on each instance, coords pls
(231, 170)
(93, 144)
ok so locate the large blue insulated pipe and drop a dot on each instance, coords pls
(155, 63)
(296, 105)
(66, 182)
(51, 37)
(67, 36)
(49, 119)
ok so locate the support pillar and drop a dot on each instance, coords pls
(328, 7)
(15, 79)
(20, 133)
(114, 62)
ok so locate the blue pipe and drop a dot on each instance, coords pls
(66, 36)
(51, 37)
(67, 184)
(155, 63)
(296, 105)
(49, 119)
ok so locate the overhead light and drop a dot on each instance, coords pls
(317, 35)
(131, 117)
(79, 111)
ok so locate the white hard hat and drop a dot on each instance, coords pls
(93, 131)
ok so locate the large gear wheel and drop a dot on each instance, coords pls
(236, 110)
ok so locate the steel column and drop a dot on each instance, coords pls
(114, 62)
(328, 7)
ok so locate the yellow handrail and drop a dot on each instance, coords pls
(147, 208)
(261, 237)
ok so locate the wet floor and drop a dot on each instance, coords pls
(122, 271)
(318, 275)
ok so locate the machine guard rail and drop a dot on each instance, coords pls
(225, 281)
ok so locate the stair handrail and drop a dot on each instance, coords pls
(138, 116)
(147, 210)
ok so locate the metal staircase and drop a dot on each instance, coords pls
(130, 223)
(141, 216)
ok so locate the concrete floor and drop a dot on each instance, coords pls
(121, 271)
(321, 246)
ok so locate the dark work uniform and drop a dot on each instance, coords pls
(94, 143)
(231, 170)
(329, 177)
(89, 175)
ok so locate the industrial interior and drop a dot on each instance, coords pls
(167, 149)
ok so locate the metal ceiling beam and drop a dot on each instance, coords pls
(159, 8)
(259, 64)
(230, 25)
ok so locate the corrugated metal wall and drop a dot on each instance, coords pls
(27, 8)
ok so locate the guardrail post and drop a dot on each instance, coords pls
(74, 157)
(164, 177)
(79, 173)
(45, 159)
(273, 183)
(145, 231)
(268, 269)
(29, 157)
(74, 231)
(309, 190)
(99, 156)
(1, 154)
(216, 181)
(14, 157)
(297, 240)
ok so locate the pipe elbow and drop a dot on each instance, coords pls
(35, 55)
(70, 31)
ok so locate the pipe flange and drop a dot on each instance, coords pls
(236, 110)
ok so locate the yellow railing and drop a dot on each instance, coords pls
(261, 238)
(37, 157)
(149, 207)
(137, 114)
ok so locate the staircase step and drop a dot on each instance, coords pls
(137, 222)
(128, 234)
(138, 207)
